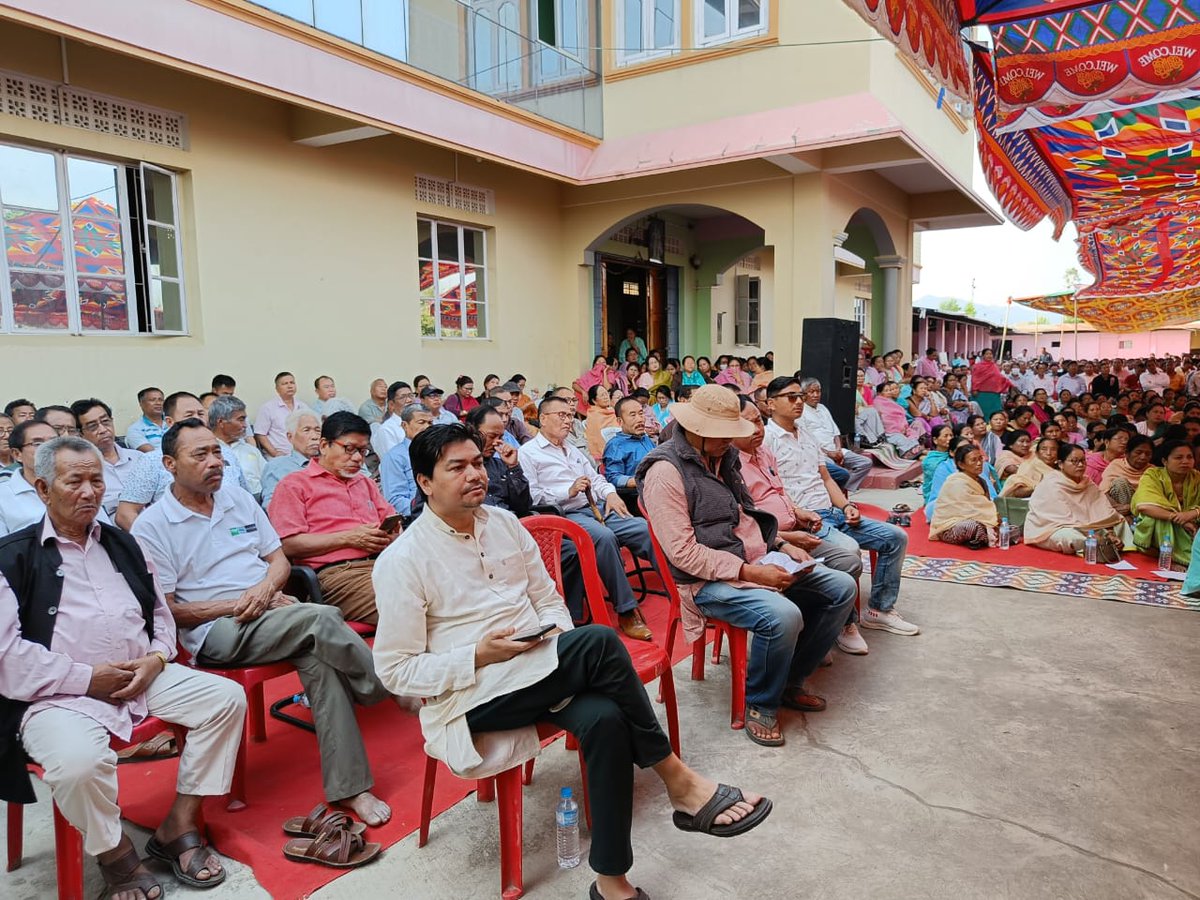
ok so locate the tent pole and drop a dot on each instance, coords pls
(1075, 297)
(1004, 335)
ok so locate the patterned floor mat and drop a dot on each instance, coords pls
(1074, 584)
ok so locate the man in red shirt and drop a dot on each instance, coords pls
(329, 517)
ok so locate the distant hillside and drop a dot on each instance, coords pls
(992, 313)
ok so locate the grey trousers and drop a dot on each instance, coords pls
(335, 667)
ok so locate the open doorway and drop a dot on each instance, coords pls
(633, 295)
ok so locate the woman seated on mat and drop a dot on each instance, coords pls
(942, 437)
(1065, 506)
(1018, 447)
(1033, 470)
(1122, 476)
(966, 508)
(900, 434)
(956, 399)
(1114, 441)
(1021, 419)
(1166, 504)
(1043, 412)
(920, 407)
(947, 468)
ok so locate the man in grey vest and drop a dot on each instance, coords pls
(715, 541)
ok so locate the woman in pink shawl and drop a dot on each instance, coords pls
(733, 374)
(599, 373)
(901, 434)
(988, 384)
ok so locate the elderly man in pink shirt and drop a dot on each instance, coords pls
(270, 425)
(86, 640)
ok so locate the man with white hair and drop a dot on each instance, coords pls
(304, 434)
(227, 419)
(818, 421)
(86, 642)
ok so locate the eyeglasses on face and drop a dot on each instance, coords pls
(352, 450)
(790, 396)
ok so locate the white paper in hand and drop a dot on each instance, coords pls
(785, 562)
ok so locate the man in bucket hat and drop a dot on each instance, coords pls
(715, 540)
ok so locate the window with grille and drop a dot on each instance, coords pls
(90, 246)
(452, 277)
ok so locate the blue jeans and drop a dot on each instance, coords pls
(839, 474)
(888, 541)
(792, 631)
(608, 539)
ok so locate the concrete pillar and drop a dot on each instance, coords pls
(891, 267)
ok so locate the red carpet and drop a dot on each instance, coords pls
(283, 779)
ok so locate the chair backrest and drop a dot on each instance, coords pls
(660, 561)
(548, 532)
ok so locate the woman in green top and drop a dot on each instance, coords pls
(942, 435)
(1166, 503)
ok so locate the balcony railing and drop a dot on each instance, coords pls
(487, 46)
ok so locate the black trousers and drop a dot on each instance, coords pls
(612, 719)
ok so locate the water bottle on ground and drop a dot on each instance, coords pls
(566, 815)
(1165, 553)
(1004, 534)
(1089, 548)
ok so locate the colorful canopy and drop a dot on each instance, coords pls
(1086, 110)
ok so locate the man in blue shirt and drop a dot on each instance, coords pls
(626, 449)
(395, 469)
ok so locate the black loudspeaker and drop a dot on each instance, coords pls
(830, 353)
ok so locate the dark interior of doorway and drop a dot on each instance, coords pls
(635, 297)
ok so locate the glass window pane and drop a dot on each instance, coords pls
(483, 41)
(476, 320)
(510, 45)
(164, 259)
(96, 218)
(339, 17)
(632, 41)
(166, 305)
(472, 245)
(664, 23)
(28, 179)
(160, 199)
(39, 301)
(447, 242)
(428, 320)
(424, 239)
(103, 304)
(571, 23)
(714, 18)
(385, 27)
(476, 298)
(749, 13)
(449, 293)
(295, 9)
(33, 239)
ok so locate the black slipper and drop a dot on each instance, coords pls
(722, 799)
(594, 894)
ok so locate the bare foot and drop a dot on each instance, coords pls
(369, 808)
(700, 790)
(615, 887)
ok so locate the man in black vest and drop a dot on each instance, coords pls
(85, 643)
(716, 543)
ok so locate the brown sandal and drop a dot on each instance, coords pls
(171, 854)
(334, 847)
(318, 820)
(122, 875)
(161, 746)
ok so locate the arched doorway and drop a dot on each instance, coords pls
(660, 272)
(875, 287)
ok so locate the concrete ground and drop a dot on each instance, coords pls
(1023, 746)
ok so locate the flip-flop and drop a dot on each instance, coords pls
(594, 894)
(722, 799)
(791, 699)
(901, 508)
(333, 847)
(318, 820)
(171, 852)
(767, 721)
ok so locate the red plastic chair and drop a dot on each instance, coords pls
(68, 842)
(649, 659)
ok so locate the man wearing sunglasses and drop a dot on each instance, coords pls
(329, 516)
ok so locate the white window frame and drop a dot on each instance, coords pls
(480, 267)
(747, 311)
(570, 61)
(627, 56)
(129, 243)
(731, 32)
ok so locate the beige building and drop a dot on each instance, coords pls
(392, 187)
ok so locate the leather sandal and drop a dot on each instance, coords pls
(172, 852)
(797, 698)
(722, 799)
(161, 746)
(122, 875)
(318, 820)
(333, 847)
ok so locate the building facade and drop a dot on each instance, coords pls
(390, 187)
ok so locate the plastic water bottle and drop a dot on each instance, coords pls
(1165, 554)
(1004, 539)
(566, 815)
(1089, 548)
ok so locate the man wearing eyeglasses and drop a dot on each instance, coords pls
(330, 517)
(96, 422)
(390, 432)
(19, 502)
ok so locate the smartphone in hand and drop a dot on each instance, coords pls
(529, 638)
(391, 524)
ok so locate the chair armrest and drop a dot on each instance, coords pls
(304, 586)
